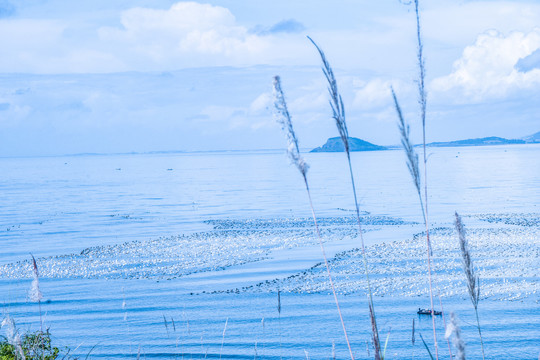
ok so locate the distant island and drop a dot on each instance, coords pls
(492, 140)
(335, 144)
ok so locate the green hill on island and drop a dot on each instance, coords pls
(336, 145)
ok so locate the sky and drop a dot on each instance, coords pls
(105, 76)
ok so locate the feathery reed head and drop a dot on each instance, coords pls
(35, 294)
(13, 336)
(412, 156)
(283, 117)
(473, 281)
(11, 331)
(457, 341)
(336, 102)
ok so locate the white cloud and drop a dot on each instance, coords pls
(262, 104)
(372, 94)
(487, 69)
(457, 23)
(188, 33)
(107, 37)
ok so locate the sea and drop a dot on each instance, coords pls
(215, 254)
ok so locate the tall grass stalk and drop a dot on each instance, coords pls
(412, 165)
(338, 114)
(412, 157)
(223, 338)
(284, 119)
(473, 280)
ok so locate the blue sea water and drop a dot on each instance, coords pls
(217, 225)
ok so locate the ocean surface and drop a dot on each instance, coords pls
(182, 255)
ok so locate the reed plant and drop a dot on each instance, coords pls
(412, 157)
(412, 165)
(473, 280)
(338, 114)
(283, 117)
(12, 344)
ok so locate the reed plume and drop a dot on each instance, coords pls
(336, 102)
(408, 147)
(281, 114)
(473, 280)
(453, 330)
(338, 114)
(35, 293)
(13, 337)
(283, 117)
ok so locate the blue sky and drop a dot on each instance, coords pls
(140, 75)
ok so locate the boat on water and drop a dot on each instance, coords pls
(428, 312)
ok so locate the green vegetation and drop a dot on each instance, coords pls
(32, 346)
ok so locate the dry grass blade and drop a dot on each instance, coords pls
(426, 346)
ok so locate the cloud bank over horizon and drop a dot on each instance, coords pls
(186, 75)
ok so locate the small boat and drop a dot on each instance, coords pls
(428, 312)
